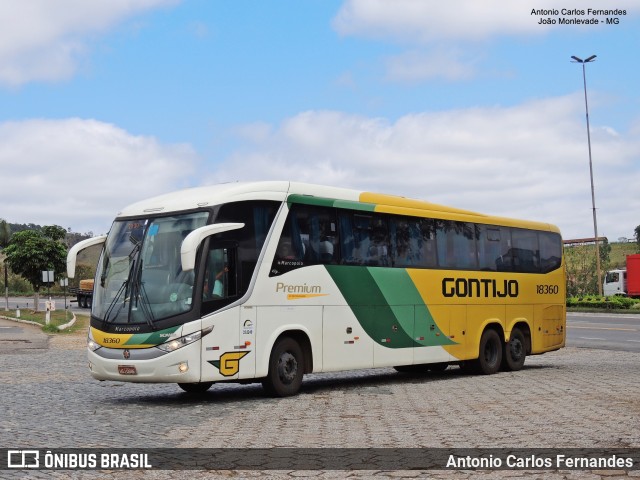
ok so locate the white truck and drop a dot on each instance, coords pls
(624, 281)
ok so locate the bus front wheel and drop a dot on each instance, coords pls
(490, 353)
(286, 368)
(514, 352)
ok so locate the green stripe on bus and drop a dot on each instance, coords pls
(154, 338)
(388, 306)
(329, 202)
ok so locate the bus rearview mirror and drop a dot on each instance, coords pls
(192, 241)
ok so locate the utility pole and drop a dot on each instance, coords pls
(593, 195)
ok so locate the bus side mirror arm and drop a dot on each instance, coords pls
(192, 241)
(72, 256)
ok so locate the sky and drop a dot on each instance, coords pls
(467, 103)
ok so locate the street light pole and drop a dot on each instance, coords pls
(593, 195)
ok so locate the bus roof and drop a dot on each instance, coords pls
(199, 197)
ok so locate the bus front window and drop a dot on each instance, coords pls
(140, 276)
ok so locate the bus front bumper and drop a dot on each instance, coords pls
(181, 366)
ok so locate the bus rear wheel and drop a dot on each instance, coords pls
(286, 368)
(514, 352)
(490, 357)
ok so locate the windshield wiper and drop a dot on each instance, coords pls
(140, 294)
(124, 287)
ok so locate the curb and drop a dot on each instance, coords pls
(30, 322)
(69, 323)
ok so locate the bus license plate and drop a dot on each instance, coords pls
(127, 370)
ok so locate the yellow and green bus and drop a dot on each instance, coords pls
(267, 281)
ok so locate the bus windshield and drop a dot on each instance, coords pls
(140, 278)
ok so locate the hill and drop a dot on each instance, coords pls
(71, 238)
(619, 252)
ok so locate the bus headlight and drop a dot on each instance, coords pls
(177, 343)
(91, 345)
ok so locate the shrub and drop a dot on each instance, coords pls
(609, 303)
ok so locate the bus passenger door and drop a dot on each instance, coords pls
(221, 352)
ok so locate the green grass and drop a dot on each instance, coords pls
(619, 252)
(617, 256)
(58, 317)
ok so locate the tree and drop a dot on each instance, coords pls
(581, 268)
(5, 237)
(637, 234)
(30, 252)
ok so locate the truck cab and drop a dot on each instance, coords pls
(615, 283)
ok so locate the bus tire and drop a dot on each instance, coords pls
(515, 351)
(195, 387)
(286, 368)
(490, 358)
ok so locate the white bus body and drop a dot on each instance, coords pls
(267, 281)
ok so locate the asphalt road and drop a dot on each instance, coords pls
(27, 302)
(605, 331)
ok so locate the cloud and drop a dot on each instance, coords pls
(44, 40)
(79, 173)
(415, 66)
(466, 27)
(527, 161)
(417, 21)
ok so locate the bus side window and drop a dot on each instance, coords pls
(219, 275)
(456, 245)
(378, 254)
(347, 237)
(550, 251)
(526, 251)
(494, 249)
(412, 242)
(309, 237)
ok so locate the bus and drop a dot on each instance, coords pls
(268, 281)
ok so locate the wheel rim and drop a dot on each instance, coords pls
(491, 353)
(516, 349)
(287, 368)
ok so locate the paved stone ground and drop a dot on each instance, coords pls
(570, 398)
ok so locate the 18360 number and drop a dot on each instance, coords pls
(547, 289)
